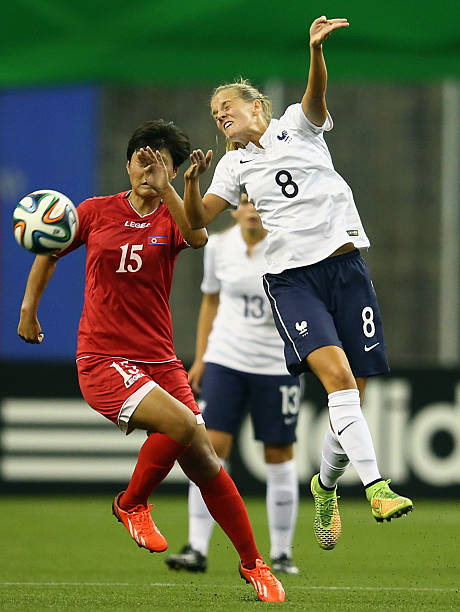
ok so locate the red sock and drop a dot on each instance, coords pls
(155, 460)
(225, 504)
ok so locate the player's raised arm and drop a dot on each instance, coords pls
(314, 99)
(29, 328)
(200, 211)
(157, 176)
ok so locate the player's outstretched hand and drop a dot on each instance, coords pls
(156, 173)
(200, 163)
(29, 329)
(321, 28)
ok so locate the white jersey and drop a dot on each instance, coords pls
(306, 206)
(243, 335)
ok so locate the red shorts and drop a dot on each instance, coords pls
(115, 387)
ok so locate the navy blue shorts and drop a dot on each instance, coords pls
(227, 395)
(330, 303)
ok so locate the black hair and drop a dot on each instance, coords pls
(160, 134)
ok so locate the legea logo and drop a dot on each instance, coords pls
(136, 224)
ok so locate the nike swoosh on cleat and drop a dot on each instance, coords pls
(342, 430)
(369, 348)
(246, 161)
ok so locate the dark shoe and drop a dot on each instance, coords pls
(188, 559)
(283, 565)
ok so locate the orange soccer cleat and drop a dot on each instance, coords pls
(268, 588)
(140, 525)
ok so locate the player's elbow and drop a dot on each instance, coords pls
(199, 240)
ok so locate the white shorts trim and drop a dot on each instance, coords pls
(280, 319)
(132, 403)
(126, 359)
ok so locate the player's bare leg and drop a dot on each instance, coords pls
(200, 462)
(161, 412)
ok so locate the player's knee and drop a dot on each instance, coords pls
(207, 468)
(339, 379)
(185, 428)
(278, 453)
(200, 463)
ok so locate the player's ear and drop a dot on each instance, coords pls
(127, 166)
(257, 106)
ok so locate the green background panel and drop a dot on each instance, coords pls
(159, 41)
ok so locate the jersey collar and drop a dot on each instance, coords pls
(264, 140)
(128, 193)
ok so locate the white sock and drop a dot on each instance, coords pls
(200, 521)
(334, 460)
(282, 506)
(353, 434)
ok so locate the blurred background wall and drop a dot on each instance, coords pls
(76, 79)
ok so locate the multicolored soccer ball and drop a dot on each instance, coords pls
(45, 221)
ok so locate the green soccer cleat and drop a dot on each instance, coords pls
(327, 523)
(386, 504)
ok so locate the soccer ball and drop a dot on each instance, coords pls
(45, 221)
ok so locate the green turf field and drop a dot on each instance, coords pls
(71, 554)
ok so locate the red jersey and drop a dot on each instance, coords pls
(129, 266)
